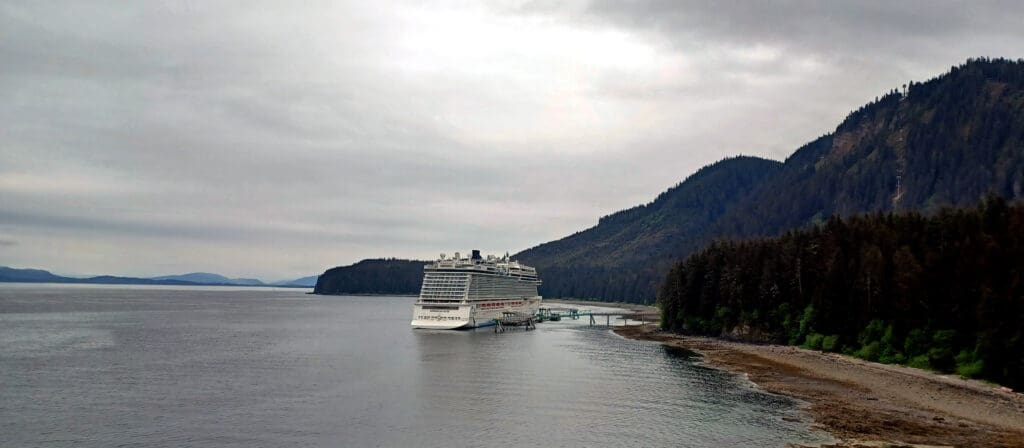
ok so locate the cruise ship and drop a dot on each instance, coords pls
(472, 292)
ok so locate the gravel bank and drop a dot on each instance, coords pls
(865, 403)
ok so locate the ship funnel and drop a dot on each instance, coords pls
(476, 255)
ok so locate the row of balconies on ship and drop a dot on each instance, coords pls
(469, 265)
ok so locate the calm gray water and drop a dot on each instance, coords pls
(158, 366)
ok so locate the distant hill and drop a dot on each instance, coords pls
(947, 141)
(376, 276)
(40, 276)
(199, 278)
(305, 282)
(29, 275)
(213, 279)
(116, 280)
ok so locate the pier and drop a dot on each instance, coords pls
(511, 319)
(625, 316)
(556, 313)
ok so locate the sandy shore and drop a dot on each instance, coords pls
(868, 404)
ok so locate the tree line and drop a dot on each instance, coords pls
(943, 291)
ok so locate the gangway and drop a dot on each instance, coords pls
(556, 313)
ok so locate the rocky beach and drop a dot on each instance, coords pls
(863, 403)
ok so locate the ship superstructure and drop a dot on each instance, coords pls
(474, 291)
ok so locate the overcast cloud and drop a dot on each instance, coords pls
(274, 139)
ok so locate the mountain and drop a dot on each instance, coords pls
(945, 142)
(948, 141)
(40, 276)
(197, 278)
(29, 276)
(376, 276)
(305, 282)
(210, 279)
(117, 280)
(627, 253)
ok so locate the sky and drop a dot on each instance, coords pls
(277, 139)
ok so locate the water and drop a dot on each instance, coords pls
(171, 366)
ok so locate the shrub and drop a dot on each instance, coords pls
(968, 365)
(782, 313)
(830, 343)
(806, 321)
(916, 343)
(869, 352)
(940, 355)
(872, 332)
(695, 325)
(890, 354)
(920, 362)
(890, 357)
(813, 341)
(972, 369)
(723, 320)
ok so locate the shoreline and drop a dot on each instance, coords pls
(862, 403)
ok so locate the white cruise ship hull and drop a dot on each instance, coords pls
(473, 315)
(473, 292)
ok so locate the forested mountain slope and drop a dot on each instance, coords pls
(945, 142)
(376, 276)
(627, 253)
(948, 141)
